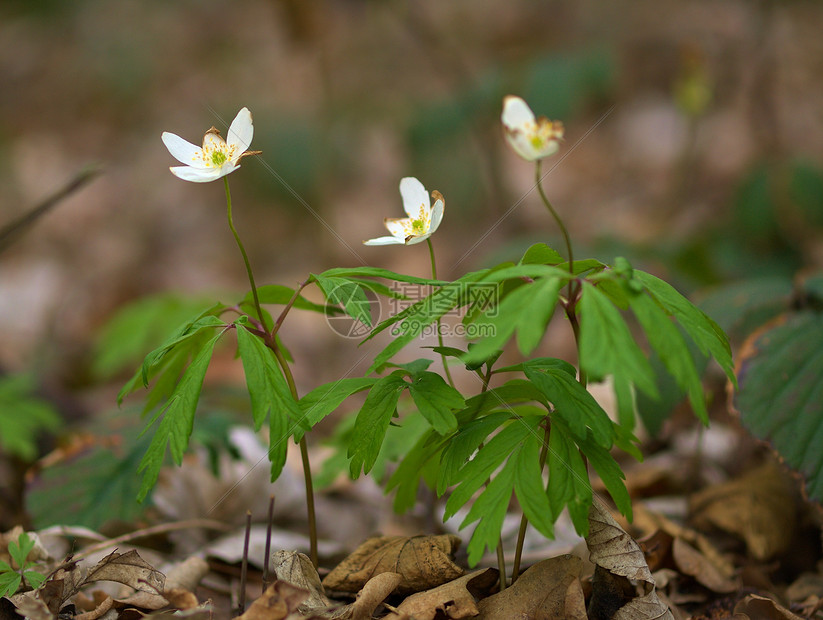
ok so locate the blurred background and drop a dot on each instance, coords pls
(694, 146)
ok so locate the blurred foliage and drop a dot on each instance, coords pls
(24, 416)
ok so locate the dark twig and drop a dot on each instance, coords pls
(266, 556)
(244, 567)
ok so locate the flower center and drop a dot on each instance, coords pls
(218, 158)
(418, 226)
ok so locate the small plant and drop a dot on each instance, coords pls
(530, 429)
(13, 579)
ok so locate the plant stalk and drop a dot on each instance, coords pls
(439, 335)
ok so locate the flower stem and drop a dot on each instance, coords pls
(439, 335)
(539, 182)
(245, 256)
(271, 343)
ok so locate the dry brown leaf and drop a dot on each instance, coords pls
(618, 560)
(423, 561)
(187, 574)
(369, 598)
(549, 589)
(180, 598)
(129, 569)
(455, 599)
(98, 611)
(691, 562)
(754, 607)
(278, 601)
(298, 570)
(759, 508)
(31, 605)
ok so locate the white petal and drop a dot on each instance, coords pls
(438, 210)
(241, 131)
(517, 115)
(419, 239)
(399, 227)
(384, 241)
(414, 196)
(195, 175)
(183, 151)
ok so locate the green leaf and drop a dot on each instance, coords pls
(669, 344)
(568, 478)
(348, 294)
(464, 444)
(270, 396)
(490, 508)
(780, 390)
(477, 471)
(573, 403)
(541, 254)
(19, 549)
(606, 344)
(9, 583)
(23, 417)
(530, 488)
(325, 399)
(377, 272)
(5, 567)
(34, 579)
(610, 473)
(436, 400)
(372, 422)
(704, 331)
(178, 420)
(527, 310)
(542, 363)
(406, 478)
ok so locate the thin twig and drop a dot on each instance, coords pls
(244, 567)
(266, 552)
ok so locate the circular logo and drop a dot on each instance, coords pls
(356, 311)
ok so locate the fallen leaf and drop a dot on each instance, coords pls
(754, 607)
(103, 608)
(759, 508)
(549, 589)
(619, 561)
(180, 598)
(278, 601)
(693, 563)
(129, 569)
(369, 598)
(187, 574)
(297, 569)
(455, 599)
(30, 605)
(423, 561)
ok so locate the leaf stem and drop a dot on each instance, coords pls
(439, 334)
(539, 183)
(245, 256)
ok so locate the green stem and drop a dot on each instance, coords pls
(245, 256)
(539, 182)
(271, 343)
(439, 335)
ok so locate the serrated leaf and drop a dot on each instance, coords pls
(490, 507)
(610, 473)
(568, 478)
(573, 403)
(372, 422)
(9, 583)
(526, 310)
(669, 344)
(703, 330)
(530, 488)
(606, 344)
(541, 363)
(34, 579)
(19, 549)
(277, 294)
(178, 419)
(406, 478)
(326, 398)
(270, 396)
(377, 272)
(348, 294)
(436, 400)
(780, 380)
(462, 445)
(477, 471)
(24, 416)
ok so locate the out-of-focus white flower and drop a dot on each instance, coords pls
(217, 157)
(531, 138)
(423, 218)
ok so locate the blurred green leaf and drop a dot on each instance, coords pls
(24, 416)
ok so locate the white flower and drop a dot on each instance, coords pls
(531, 138)
(217, 157)
(423, 219)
